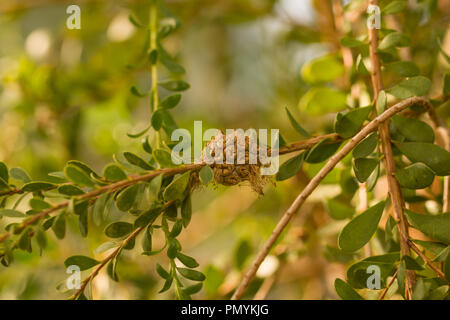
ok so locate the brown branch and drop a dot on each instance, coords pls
(332, 162)
(11, 192)
(132, 179)
(427, 261)
(388, 286)
(393, 186)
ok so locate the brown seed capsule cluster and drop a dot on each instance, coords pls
(242, 152)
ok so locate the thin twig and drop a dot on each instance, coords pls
(389, 163)
(332, 162)
(388, 286)
(427, 261)
(132, 179)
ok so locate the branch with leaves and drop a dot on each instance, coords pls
(385, 139)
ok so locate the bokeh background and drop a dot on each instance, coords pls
(64, 94)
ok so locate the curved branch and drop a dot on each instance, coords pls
(312, 185)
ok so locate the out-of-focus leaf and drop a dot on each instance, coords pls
(323, 100)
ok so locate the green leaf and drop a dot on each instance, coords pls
(366, 147)
(132, 18)
(186, 211)
(19, 174)
(158, 118)
(193, 289)
(11, 213)
(114, 173)
(167, 285)
(361, 228)
(413, 130)
(176, 189)
(364, 167)
(78, 176)
(323, 100)
(176, 229)
(106, 246)
(349, 124)
(83, 262)
(147, 217)
(436, 158)
(187, 261)
(163, 158)
(415, 176)
(118, 229)
(147, 240)
(59, 226)
(394, 7)
(436, 227)
(338, 210)
(446, 88)
(153, 56)
(415, 86)
(357, 275)
(175, 85)
(99, 209)
(190, 274)
(411, 264)
(4, 172)
(170, 102)
(24, 242)
(290, 167)
(345, 291)
(206, 174)
(135, 91)
(127, 197)
(322, 151)
(39, 205)
(361, 67)
(447, 267)
(83, 221)
(296, 125)
(88, 170)
(70, 190)
(403, 68)
(137, 161)
(171, 212)
(139, 134)
(162, 272)
(350, 42)
(4, 185)
(323, 69)
(37, 186)
(242, 253)
(420, 290)
(394, 39)
(381, 102)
